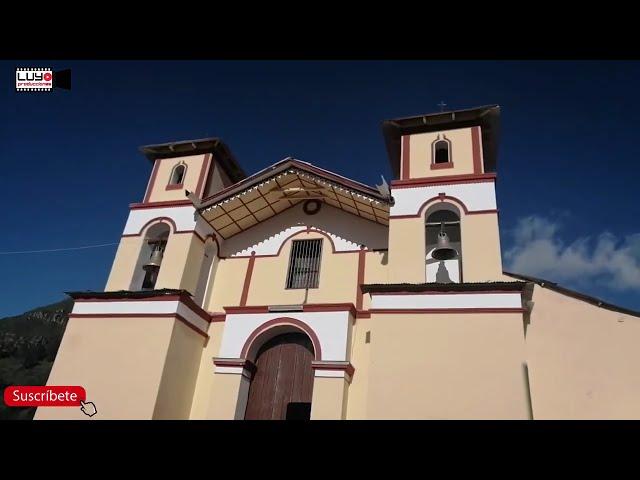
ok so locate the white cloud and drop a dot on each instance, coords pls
(537, 250)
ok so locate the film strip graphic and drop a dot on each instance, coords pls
(41, 79)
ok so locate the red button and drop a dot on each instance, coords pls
(47, 396)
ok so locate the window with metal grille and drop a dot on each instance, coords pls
(304, 264)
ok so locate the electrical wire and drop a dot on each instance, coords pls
(59, 249)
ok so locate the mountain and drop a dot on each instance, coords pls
(28, 346)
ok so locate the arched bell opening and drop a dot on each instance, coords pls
(150, 258)
(443, 244)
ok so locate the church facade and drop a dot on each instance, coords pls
(297, 293)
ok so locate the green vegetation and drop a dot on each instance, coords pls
(28, 347)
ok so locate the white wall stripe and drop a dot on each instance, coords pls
(331, 328)
(182, 216)
(461, 300)
(476, 196)
(151, 308)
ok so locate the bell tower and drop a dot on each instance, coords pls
(443, 225)
(164, 242)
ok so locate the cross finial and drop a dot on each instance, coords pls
(442, 105)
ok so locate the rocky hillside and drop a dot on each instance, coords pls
(28, 346)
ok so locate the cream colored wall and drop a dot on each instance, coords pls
(360, 356)
(330, 396)
(407, 250)
(441, 366)
(583, 360)
(337, 283)
(178, 381)
(481, 257)
(119, 362)
(194, 163)
(124, 263)
(180, 265)
(227, 284)
(376, 271)
(192, 264)
(206, 373)
(225, 394)
(218, 180)
(421, 156)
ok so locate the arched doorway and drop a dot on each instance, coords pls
(282, 385)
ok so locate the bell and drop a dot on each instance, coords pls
(444, 251)
(155, 260)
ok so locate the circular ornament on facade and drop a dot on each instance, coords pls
(311, 207)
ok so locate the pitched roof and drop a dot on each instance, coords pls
(283, 185)
(572, 293)
(487, 117)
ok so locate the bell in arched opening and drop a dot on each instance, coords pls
(444, 251)
(443, 244)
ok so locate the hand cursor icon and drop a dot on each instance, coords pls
(88, 408)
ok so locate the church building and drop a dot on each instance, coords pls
(298, 293)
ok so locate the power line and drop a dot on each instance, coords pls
(60, 249)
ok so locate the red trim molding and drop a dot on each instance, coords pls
(248, 367)
(444, 180)
(362, 255)
(234, 362)
(247, 280)
(363, 314)
(153, 221)
(438, 166)
(184, 298)
(316, 307)
(343, 366)
(282, 321)
(218, 317)
(168, 203)
(406, 157)
(172, 228)
(178, 317)
(177, 186)
(447, 310)
(477, 153)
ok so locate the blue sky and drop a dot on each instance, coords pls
(568, 164)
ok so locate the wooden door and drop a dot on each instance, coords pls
(282, 385)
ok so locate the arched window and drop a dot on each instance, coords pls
(441, 151)
(177, 175)
(443, 244)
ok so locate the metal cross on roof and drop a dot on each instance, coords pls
(442, 105)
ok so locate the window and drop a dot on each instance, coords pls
(304, 264)
(177, 176)
(441, 152)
